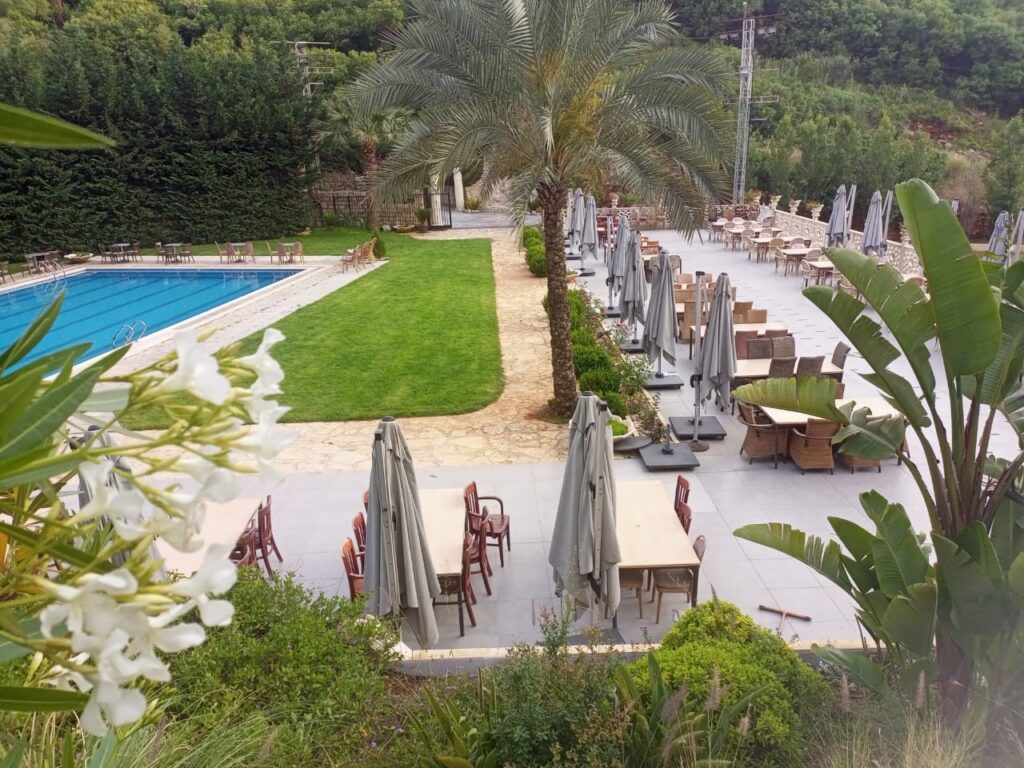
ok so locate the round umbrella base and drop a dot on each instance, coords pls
(697, 446)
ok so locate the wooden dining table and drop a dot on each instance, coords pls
(879, 409)
(444, 523)
(822, 268)
(650, 535)
(760, 328)
(223, 524)
(757, 368)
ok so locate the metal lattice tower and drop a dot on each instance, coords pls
(739, 179)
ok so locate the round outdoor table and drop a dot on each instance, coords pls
(290, 250)
(630, 444)
(239, 252)
(173, 256)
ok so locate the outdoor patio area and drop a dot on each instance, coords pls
(314, 511)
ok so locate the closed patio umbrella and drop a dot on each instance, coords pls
(579, 207)
(836, 232)
(660, 327)
(400, 576)
(886, 218)
(584, 550)
(634, 286)
(1018, 234)
(588, 239)
(997, 243)
(873, 240)
(617, 259)
(717, 363)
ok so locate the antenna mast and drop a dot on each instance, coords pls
(739, 179)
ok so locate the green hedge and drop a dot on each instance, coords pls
(211, 140)
(716, 635)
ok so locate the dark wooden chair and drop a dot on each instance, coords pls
(356, 580)
(359, 529)
(477, 527)
(678, 581)
(499, 526)
(461, 586)
(366, 500)
(682, 490)
(246, 551)
(265, 535)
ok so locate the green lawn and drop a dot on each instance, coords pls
(416, 337)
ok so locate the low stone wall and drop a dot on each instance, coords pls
(903, 257)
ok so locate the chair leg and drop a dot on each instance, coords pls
(501, 553)
(640, 602)
(483, 572)
(273, 543)
(657, 614)
(266, 559)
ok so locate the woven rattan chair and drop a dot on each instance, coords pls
(839, 355)
(781, 367)
(757, 316)
(742, 339)
(810, 366)
(783, 346)
(812, 448)
(741, 308)
(678, 581)
(759, 349)
(762, 441)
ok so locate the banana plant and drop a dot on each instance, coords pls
(467, 741)
(955, 607)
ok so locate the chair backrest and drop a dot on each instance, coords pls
(229, 250)
(282, 252)
(359, 529)
(298, 248)
(351, 563)
(783, 346)
(686, 278)
(814, 253)
(471, 497)
(742, 307)
(840, 390)
(776, 243)
(810, 366)
(742, 340)
(759, 349)
(746, 412)
(699, 546)
(249, 252)
(682, 490)
(839, 355)
(775, 333)
(781, 367)
(757, 316)
(366, 499)
(264, 521)
(685, 515)
(821, 428)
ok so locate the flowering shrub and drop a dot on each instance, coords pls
(81, 589)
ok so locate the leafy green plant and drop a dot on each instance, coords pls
(536, 259)
(969, 603)
(750, 661)
(472, 203)
(313, 664)
(532, 235)
(422, 216)
(380, 248)
(590, 356)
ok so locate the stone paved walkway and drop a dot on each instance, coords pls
(501, 433)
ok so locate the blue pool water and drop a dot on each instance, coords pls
(97, 303)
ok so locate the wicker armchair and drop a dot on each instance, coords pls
(781, 367)
(742, 339)
(839, 355)
(763, 440)
(757, 316)
(812, 448)
(783, 346)
(759, 349)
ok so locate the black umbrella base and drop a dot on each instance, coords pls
(710, 428)
(612, 312)
(585, 272)
(667, 381)
(631, 347)
(656, 460)
(574, 257)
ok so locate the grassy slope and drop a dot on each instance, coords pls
(416, 337)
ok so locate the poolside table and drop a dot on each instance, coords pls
(290, 250)
(760, 328)
(223, 524)
(444, 522)
(650, 535)
(35, 262)
(173, 256)
(119, 251)
(822, 269)
(239, 253)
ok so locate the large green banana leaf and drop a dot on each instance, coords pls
(980, 602)
(965, 310)
(23, 128)
(858, 668)
(822, 556)
(900, 560)
(813, 395)
(910, 618)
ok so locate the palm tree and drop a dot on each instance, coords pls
(546, 94)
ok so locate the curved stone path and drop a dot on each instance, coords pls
(504, 432)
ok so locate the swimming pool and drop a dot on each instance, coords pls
(98, 304)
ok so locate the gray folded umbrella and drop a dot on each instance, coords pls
(997, 243)
(588, 237)
(717, 362)
(1018, 234)
(634, 285)
(837, 231)
(660, 327)
(873, 241)
(584, 550)
(400, 577)
(576, 221)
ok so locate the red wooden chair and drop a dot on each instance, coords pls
(461, 586)
(265, 538)
(477, 527)
(366, 500)
(246, 548)
(499, 527)
(359, 529)
(682, 490)
(356, 581)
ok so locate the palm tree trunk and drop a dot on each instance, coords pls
(553, 201)
(371, 162)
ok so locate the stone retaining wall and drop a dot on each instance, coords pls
(900, 256)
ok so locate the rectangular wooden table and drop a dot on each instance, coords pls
(879, 409)
(650, 535)
(760, 328)
(444, 522)
(757, 368)
(822, 268)
(223, 524)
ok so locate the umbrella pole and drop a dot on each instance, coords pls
(696, 444)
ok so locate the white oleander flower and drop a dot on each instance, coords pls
(88, 607)
(269, 374)
(215, 576)
(216, 483)
(267, 439)
(181, 531)
(198, 371)
(125, 508)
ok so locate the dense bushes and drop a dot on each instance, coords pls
(313, 664)
(717, 635)
(535, 254)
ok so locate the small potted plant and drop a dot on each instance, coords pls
(622, 429)
(422, 217)
(794, 205)
(472, 204)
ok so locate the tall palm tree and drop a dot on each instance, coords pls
(549, 93)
